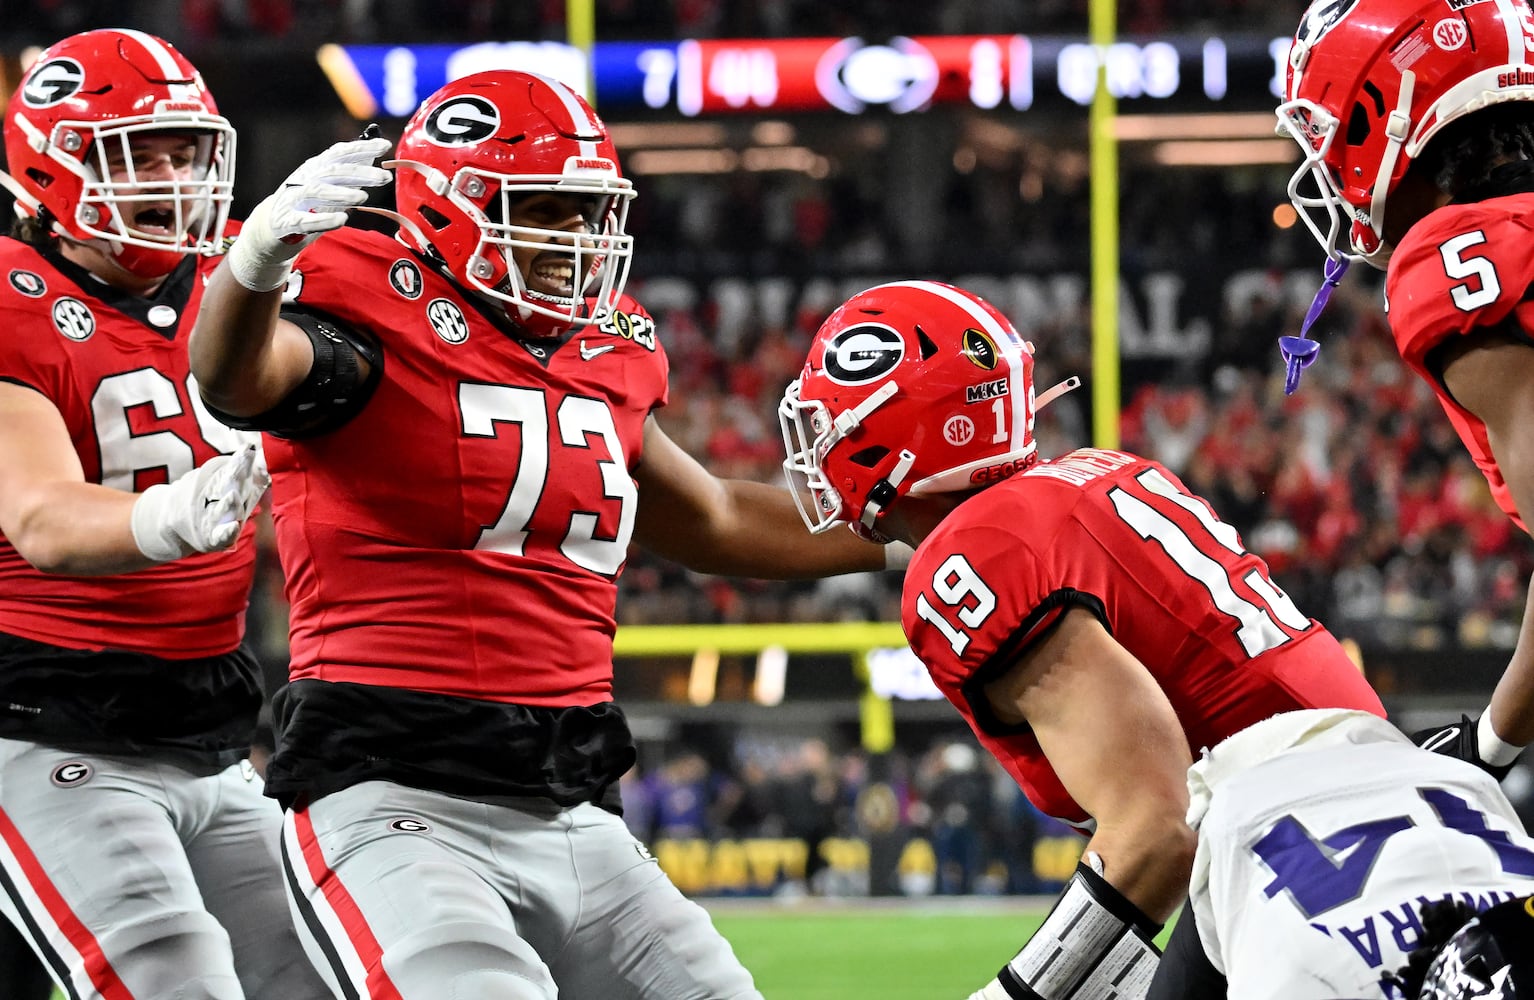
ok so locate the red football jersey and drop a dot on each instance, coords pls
(463, 533)
(1121, 537)
(115, 366)
(1461, 268)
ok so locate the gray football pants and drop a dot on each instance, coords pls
(405, 894)
(134, 879)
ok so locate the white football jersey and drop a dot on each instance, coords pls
(1320, 834)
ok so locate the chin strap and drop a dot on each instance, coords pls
(1301, 352)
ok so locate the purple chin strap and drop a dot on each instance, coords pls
(1301, 352)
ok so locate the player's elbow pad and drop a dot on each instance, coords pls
(1093, 943)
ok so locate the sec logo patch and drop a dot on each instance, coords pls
(447, 319)
(73, 319)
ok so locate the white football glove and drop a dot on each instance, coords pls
(313, 200)
(203, 510)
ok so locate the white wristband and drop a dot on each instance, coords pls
(256, 267)
(148, 520)
(1493, 749)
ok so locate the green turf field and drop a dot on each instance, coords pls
(902, 951)
(911, 953)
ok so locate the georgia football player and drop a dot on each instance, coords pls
(1094, 623)
(464, 447)
(137, 853)
(1417, 125)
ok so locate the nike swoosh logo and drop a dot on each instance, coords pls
(587, 353)
(209, 501)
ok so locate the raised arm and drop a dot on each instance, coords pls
(246, 359)
(732, 526)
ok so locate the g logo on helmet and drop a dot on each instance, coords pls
(54, 81)
(462, 121)
(863, 354)
(1323, 16)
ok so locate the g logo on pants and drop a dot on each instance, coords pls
(71, 773)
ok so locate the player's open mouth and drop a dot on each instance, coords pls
(155, 222)
(553, 276)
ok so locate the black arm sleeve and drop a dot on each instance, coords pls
(334, 391)
(1185, 972)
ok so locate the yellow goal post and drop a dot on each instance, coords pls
(706, 643)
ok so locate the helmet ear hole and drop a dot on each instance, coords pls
(434, 218)
(1358, 125)
(869, 457)
(928, 348)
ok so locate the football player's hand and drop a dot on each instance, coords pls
(203, 510)
(1462, 740)
(313, 200)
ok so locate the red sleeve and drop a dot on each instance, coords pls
(1464, 267)
(1006, 582)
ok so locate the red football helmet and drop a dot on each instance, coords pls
(475, 147)
(79, 108)
(1370, 82)
(913, 387)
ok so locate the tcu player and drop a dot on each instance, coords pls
(1094, 623)
(1418, 130)
(462, 443)
(137, 853)
(1321, 836)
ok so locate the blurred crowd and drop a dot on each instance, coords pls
(312, 21)
(981, 829)
(984, 836)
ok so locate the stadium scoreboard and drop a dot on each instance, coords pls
(847, 75)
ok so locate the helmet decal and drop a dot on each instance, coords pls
(463, 121)
(1323, 16)
(959, 430)
(1450, 33)
(979, 349)
(863, 354)
(54, 81)
(985, 391)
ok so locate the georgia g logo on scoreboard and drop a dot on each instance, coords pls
(462, 121)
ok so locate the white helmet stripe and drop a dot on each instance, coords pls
(580, 118)
(1512, 23)
(1006, 345)
(167, 63)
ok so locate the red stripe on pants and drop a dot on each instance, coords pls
(102, 976)
(379, 986)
